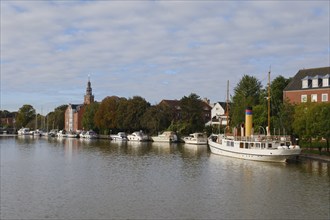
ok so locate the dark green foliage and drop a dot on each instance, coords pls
(25, 114)
(157, 118)
(88, 117)
(247, 94)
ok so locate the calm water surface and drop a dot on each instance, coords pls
(98, 179)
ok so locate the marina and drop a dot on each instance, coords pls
(69, 178)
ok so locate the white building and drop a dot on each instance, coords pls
(218, 114)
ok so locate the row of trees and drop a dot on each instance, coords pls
(27, 117)
(120, 114)
(309, 121)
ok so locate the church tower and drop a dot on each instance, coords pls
(89, 97)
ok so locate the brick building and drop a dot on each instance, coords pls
(74, 112)
(309, 85)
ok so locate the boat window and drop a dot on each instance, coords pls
(232, 143)
(241, 145)
(269, 145)
(263, 145)
(246, 145)
(257, 145)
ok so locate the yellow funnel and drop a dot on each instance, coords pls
(248, 121)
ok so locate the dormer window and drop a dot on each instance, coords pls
(325, 80)
(306, 82)
(317, 81)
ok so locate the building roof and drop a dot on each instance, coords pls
(295, 83)
(75, 106)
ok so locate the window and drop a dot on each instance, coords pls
(315, 83)
(324, 97)
(305, 83)
(303, 98)
(314, 98)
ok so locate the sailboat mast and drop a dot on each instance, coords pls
(268, 99)
(227, 107)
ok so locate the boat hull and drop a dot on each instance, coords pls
(266, 155)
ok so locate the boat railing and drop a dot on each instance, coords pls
(261, 138)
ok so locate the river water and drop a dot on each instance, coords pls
(79, 179)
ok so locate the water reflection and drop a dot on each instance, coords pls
(101, 179)
(193, 150)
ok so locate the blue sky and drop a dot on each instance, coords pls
(154, 49)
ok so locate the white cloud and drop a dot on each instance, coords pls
(158, 50)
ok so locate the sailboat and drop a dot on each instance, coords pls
(249, 146)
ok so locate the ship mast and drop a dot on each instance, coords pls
(227, 107)
(268, 99)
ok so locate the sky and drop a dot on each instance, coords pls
(153, 49)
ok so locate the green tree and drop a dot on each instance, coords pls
(136, 107)
(191, 114)
(277, 104)
(25, 114)
(88, 117)
(318, 121)
(106, 117)
(246, 93)
(60, 116)
(301, 123)
(156, 118)
(285, 118)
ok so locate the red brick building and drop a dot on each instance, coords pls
(309, 85)
(74, 112)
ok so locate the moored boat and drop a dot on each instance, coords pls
(121, 136)
(196, 138)
(248, 146)
(90, 135)
(138, 136)
(23, 131)
(166, 136)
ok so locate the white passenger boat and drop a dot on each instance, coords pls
(265, 148)
(253, 147)
(196, 138)
(137, 136)
(23, 131)
(166, 136)
(121, 136)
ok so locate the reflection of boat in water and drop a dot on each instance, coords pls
(194, 149)
(121, 136)
(253, 147)
(196, 138)
(166, 136)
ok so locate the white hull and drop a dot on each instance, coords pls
(24, 131)
(166, 137)
(280, 154)
(197, 142)
(137, 136)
